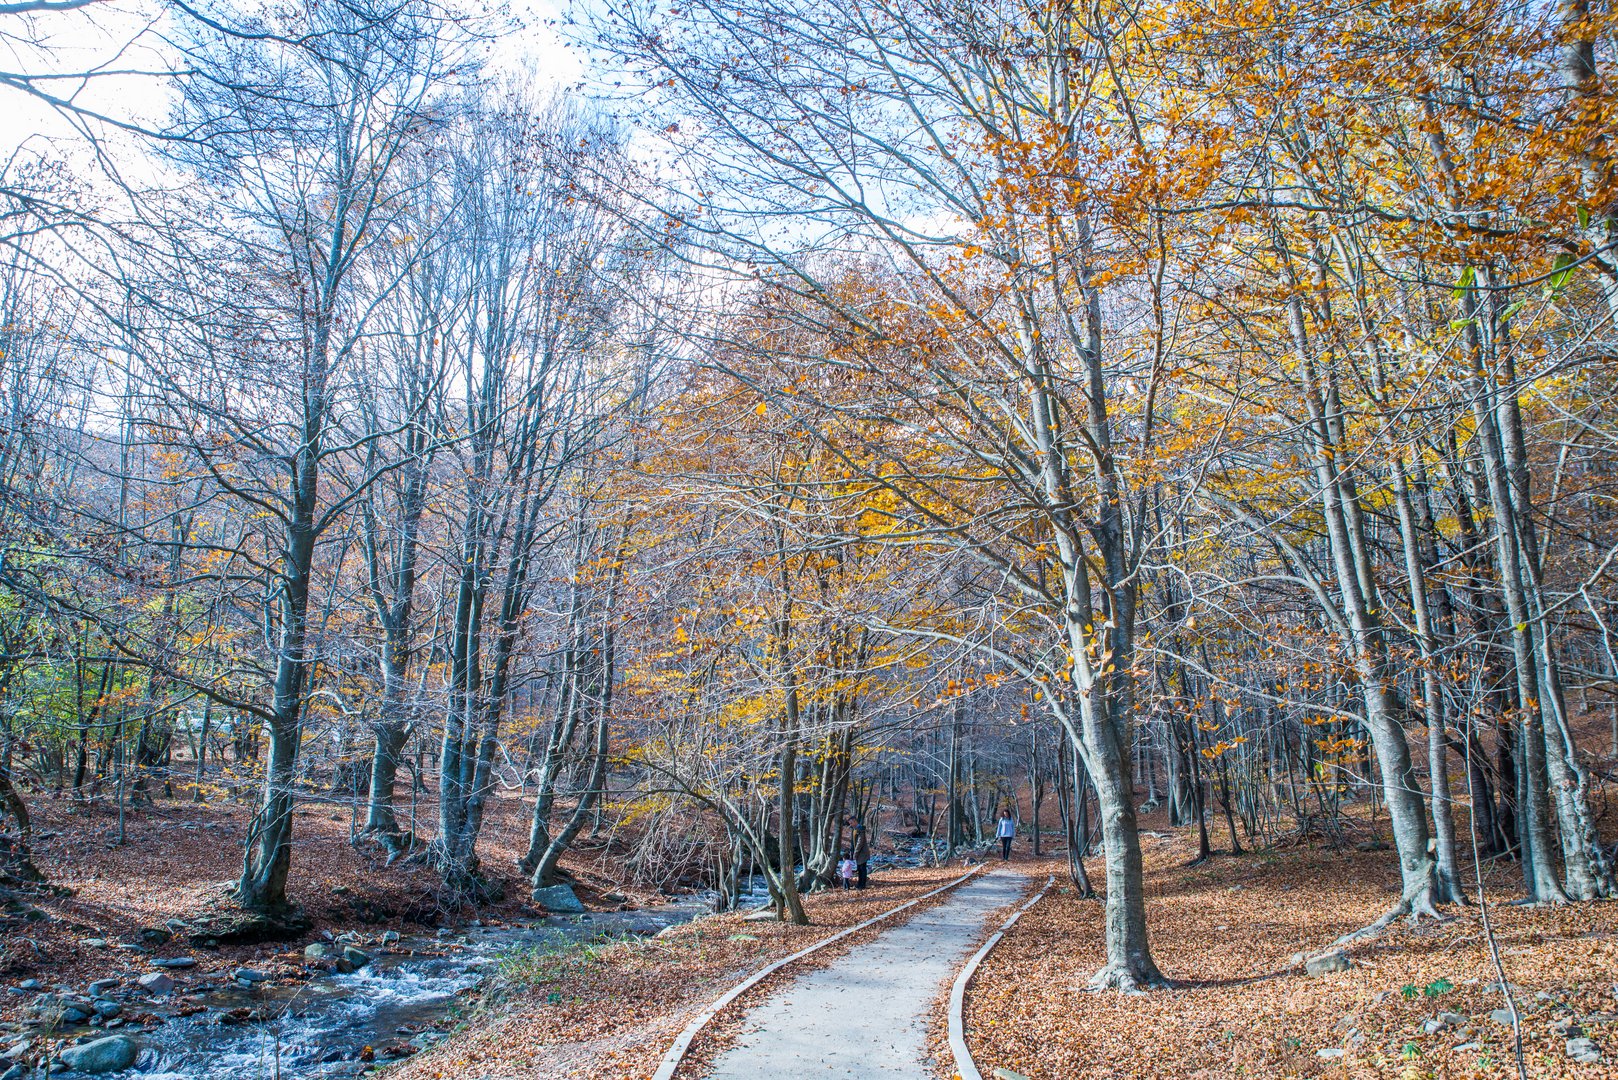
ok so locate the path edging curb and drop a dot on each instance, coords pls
(965, 1067)
(676, 1052)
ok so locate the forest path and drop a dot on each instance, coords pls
(866, 1013)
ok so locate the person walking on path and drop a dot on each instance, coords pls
(1006, 831)
(862, 856)
(845, 871)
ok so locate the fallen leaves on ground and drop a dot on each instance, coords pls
(1226, 934)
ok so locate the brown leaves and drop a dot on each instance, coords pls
(1226, 933)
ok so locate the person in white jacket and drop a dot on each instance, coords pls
(1006, 831)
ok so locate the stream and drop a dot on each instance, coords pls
(407, 995)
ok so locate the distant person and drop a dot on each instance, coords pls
(846, 871)
(1006, 830)
(862, 856)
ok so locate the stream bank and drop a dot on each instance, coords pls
(398, 996)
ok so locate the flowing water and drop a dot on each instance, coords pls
(320, 1028)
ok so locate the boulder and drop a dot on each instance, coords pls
(112, 1054)
(390, 937)
(559, 898)
(1583, 1051)
(1327, 963)
(156, 983)
(358, 957)
(318, 951)
(102, 987)
(107, 1010)
(251, 976)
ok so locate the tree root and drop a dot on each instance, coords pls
(1417, 908)
(228, 923)
(394, 843)
(1121, 979)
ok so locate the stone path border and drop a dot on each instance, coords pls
(677, 1051)
(965, 1067)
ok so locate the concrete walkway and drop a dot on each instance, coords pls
(866, 1014)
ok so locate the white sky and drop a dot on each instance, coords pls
(120, 41)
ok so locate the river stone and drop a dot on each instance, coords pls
(13, 1073)
(112, 1054)
(560, 899)
(101, 987)
(156, 983)
(249, 975)
(318, 951)
(1327, 963)
(1501, 1017)
(175, 963)
(107, 1010)
(72, 1010)
(358, 957)
(390, 937)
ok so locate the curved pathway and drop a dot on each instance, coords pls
(866, 1013)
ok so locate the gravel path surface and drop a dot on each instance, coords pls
(866, 1014)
